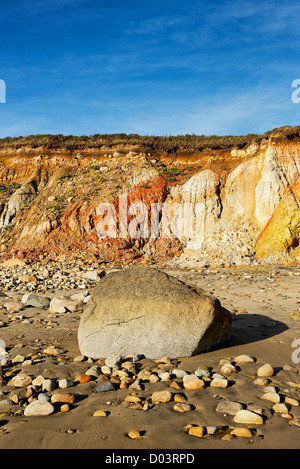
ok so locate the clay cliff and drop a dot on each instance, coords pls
(247, 191)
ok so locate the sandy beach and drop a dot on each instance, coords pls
(265, 304)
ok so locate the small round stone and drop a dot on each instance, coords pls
(248, 417)
(37, 408)
(219, 382)
(282, 408)
(271, 397)
(135, 435)
(182, 407)
(242, 359)
(265, 370)
(261, 381)
(192, 382)
(242, 432)
(229, 407)
(100, 413)
(161, 396)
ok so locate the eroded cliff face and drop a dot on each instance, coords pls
(248, 200)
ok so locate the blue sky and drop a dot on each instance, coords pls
(154, 68)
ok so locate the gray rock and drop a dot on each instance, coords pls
(143, 310)
(44, 397)
(229, 407)
(107, 386)
(38, 301)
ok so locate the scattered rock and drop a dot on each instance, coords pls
(197, 431)
(62, 304)
(248, 417)
(66, 398)
(106, 386)
(83, 378)
(37, 301)
(229, 407)
(282, 408)
(265, 370)
(100, 413)
(161, 396)
(193, 382)
(271, 397)
(182, 407)
(228, 368)
(261, 381)
(219, 383)
(39, 408)
(13, 306)
(243, 359)
(21, 380)
(136, 435)
(242, 432)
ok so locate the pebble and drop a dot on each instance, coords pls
(48, 385)
(113, 360)
(242, 432)
(282, 408)
(132, 398)
(100, 413)
(271, 397)
(44, 397)
(144, 375)
(211, 429)
(243, 359)
(107, 386)
(163, 375)
(161, 396)
(154, 378)
(65, 408)
(228, 368)
(37, 408)
(66, 398)
(219, 383)
(248, 417)
(265, 370)
(65, 383)
(179, 397)
(179, 373)
(192, 382)
(291, 401)
(135, 435)
(83, 378)
(229, 407)
(94, 371)
(261, 381)
(182, 407)
(21, 380)
(295, 421)
(197, 431)
(38, 381)
(201, 371)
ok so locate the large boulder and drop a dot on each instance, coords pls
(145, 311)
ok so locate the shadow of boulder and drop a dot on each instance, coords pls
(247, 328)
